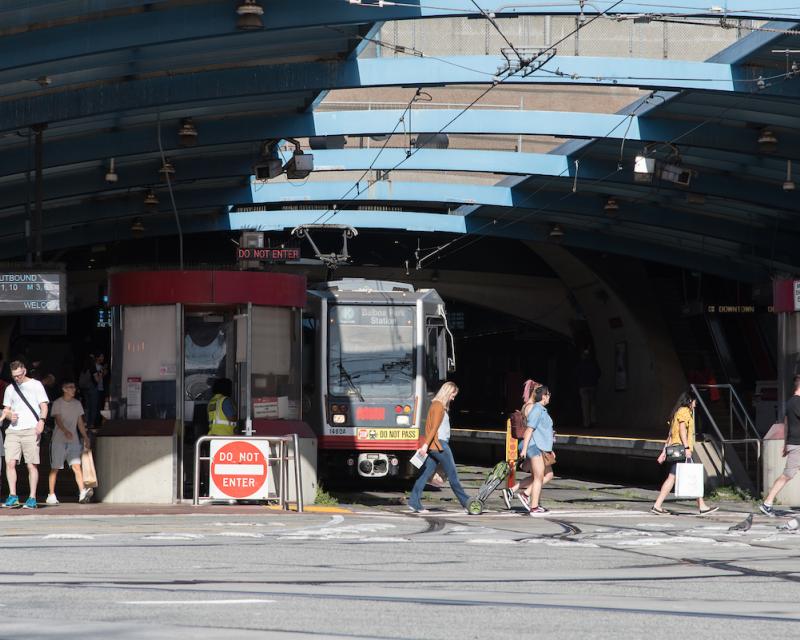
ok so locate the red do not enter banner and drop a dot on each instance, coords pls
(239, 469)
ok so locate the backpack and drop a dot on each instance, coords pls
(518, 424)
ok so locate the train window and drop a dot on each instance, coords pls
(310, 327)
(435, 352)
(371, 351)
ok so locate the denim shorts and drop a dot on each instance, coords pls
(533, 450)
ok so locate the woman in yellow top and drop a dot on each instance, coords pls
(681, 432)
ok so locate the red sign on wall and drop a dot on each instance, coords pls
(239, 469)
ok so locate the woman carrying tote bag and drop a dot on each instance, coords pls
(681, 433)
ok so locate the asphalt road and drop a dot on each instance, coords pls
(597, 566)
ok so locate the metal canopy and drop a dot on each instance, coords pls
(105, 76)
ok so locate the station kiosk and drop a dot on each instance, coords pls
(174, 334)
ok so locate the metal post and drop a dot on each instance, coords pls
(297, 481)
(37, 215)
(179, 366)
(196, 487)
(279, 483)
(28, 210)
(248, 424)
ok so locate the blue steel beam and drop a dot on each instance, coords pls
(139, 140)
(521, 204)
(208, 86)
(594, 176)
(153, 22)
(507, 204)
(742, 267)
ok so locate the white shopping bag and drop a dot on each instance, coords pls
(418, 460)
(689, 480)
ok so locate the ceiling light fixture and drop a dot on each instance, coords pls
(556, 232)
(788, 185)
(187, 134)
(167, 170)
(249, 14)
(137, 226)
(111, 175)
(611, 206)
(767, 142)
(150, 199)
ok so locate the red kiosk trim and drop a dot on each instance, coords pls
(207, 288)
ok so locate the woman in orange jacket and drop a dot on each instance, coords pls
(437, 436)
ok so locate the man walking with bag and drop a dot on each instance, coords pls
(25, 404)
(65, 447)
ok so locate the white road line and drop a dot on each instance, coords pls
(179, 602)
(67, 536)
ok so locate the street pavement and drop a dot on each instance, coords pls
(598, 565)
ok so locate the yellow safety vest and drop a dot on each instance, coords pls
(218, 423)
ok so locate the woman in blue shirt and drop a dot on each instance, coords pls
(538, 439)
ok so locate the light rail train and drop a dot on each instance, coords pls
(375, 352)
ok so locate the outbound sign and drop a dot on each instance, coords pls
(29, 292)
(239, 469)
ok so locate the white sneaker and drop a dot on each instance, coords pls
(51, 499)
(85, 495)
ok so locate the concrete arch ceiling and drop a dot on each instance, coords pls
(101, 73)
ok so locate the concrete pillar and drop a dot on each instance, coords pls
(773, 464)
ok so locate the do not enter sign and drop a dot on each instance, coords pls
(239, 469)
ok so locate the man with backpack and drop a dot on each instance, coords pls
(25, 404)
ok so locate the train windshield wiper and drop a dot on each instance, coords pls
(344, 373)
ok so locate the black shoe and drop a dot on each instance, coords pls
(767, 509)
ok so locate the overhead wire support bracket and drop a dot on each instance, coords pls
(331, 260)
(524, 60)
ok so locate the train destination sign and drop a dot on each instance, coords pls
(267, 254)
(28, 292)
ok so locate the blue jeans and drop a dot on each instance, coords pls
(434, 459)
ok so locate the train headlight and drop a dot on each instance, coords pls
(404, 420)
(338, 418)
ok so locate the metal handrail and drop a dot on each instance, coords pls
(741, 415)
(283, 458)
(744, 424)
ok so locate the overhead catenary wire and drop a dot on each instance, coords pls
(169, 188)
(495, 84)
(477, 235)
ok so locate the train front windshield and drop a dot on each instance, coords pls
(371, 352)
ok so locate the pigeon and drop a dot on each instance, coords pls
(744, 525)
(790, 525)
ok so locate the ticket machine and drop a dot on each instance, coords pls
(174, 334)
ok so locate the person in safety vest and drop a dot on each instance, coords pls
(221, 412)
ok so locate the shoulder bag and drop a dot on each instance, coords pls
(675, 453)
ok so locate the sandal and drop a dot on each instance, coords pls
(658, 511)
